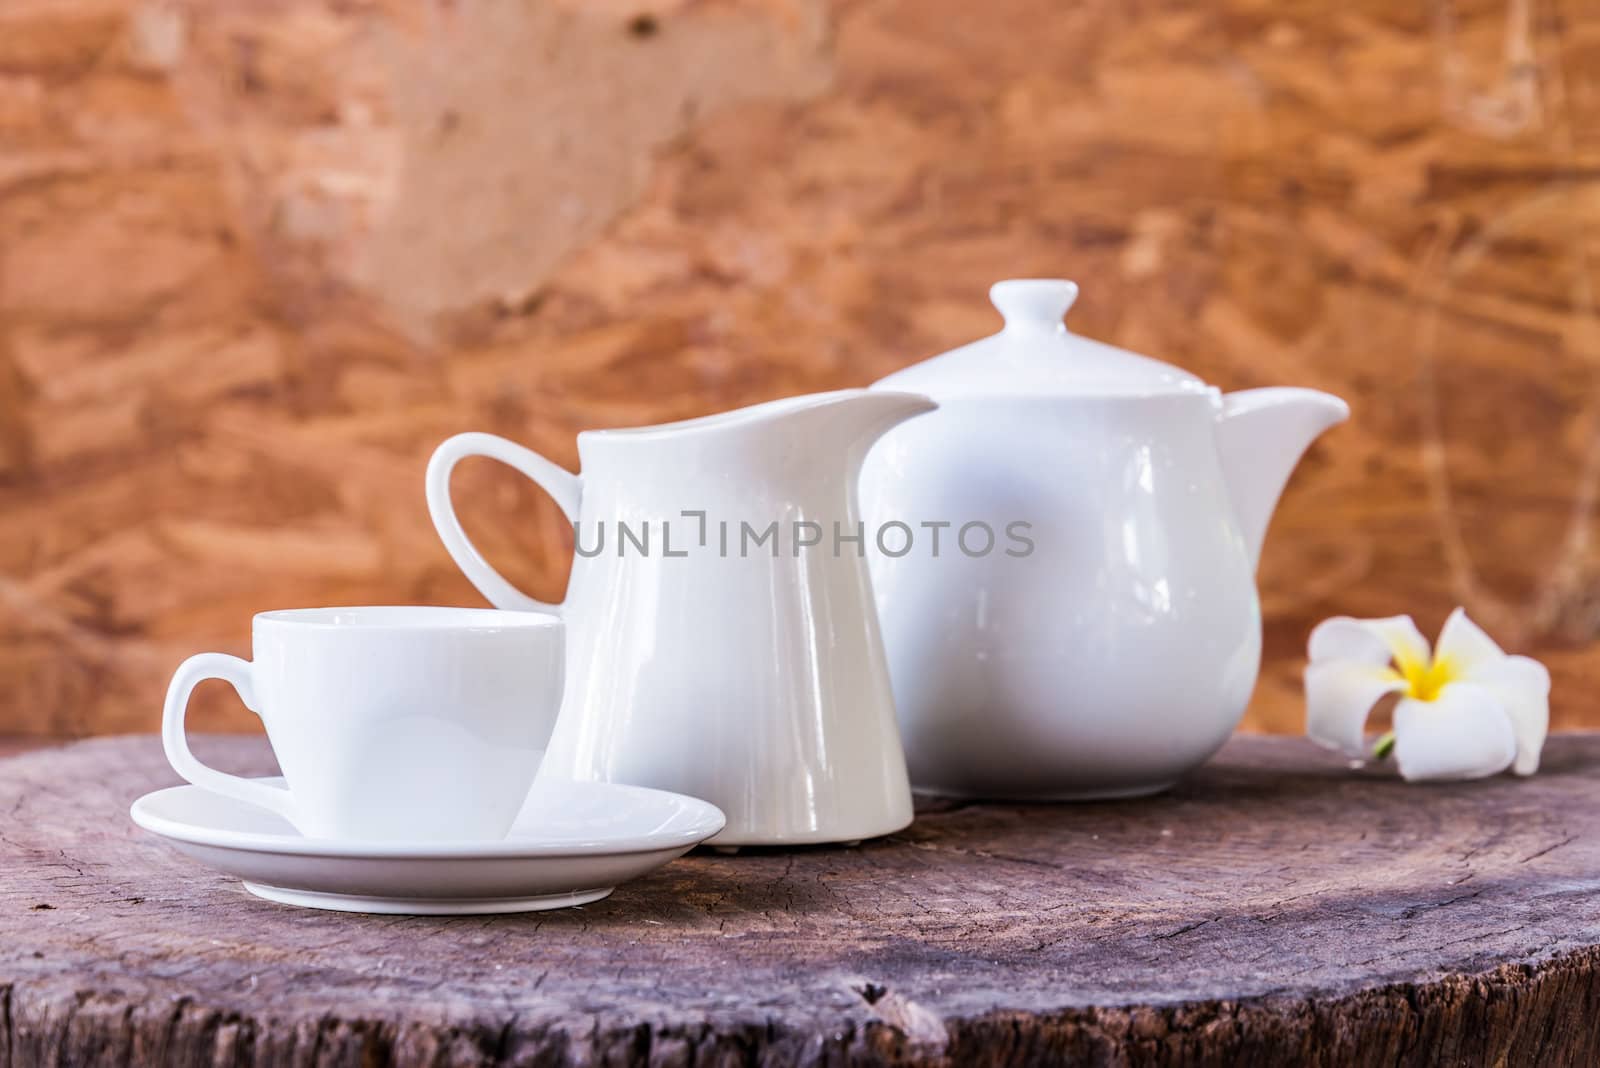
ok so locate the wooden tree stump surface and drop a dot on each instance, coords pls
(1277, 908)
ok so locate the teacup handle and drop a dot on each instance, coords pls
(174, 738)
(562, 485)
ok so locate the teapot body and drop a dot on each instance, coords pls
(1110, 639)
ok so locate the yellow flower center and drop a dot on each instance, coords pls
(1425, 678)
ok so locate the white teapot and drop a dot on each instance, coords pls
(1066, 552)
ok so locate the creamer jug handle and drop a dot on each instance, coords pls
(562, 485)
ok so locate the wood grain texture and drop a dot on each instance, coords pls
(1277, 909)
(255, 260)
(11, 746)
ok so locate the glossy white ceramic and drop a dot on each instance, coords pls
(572, 843)
(751, 675)
(1111, 642)
(412, 722)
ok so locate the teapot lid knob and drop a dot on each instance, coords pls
(1034, 303)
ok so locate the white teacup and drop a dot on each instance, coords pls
(390, 723)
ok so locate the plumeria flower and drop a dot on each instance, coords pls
(1466, 708)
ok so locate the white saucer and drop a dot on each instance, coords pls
(573, 843)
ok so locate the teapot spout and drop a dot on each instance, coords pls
(1261, 435)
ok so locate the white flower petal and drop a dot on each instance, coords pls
(1371, 641)
(1464, 734)
(1347, 639)
(1523, 687)
(1339, 696)
(1464, 644)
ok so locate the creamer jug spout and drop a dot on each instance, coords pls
(847, 421)
(1261, 435)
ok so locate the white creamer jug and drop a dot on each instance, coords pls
(722, 640)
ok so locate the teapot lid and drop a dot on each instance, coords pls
(1035, 354)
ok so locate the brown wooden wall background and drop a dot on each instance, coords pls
(257, 259)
